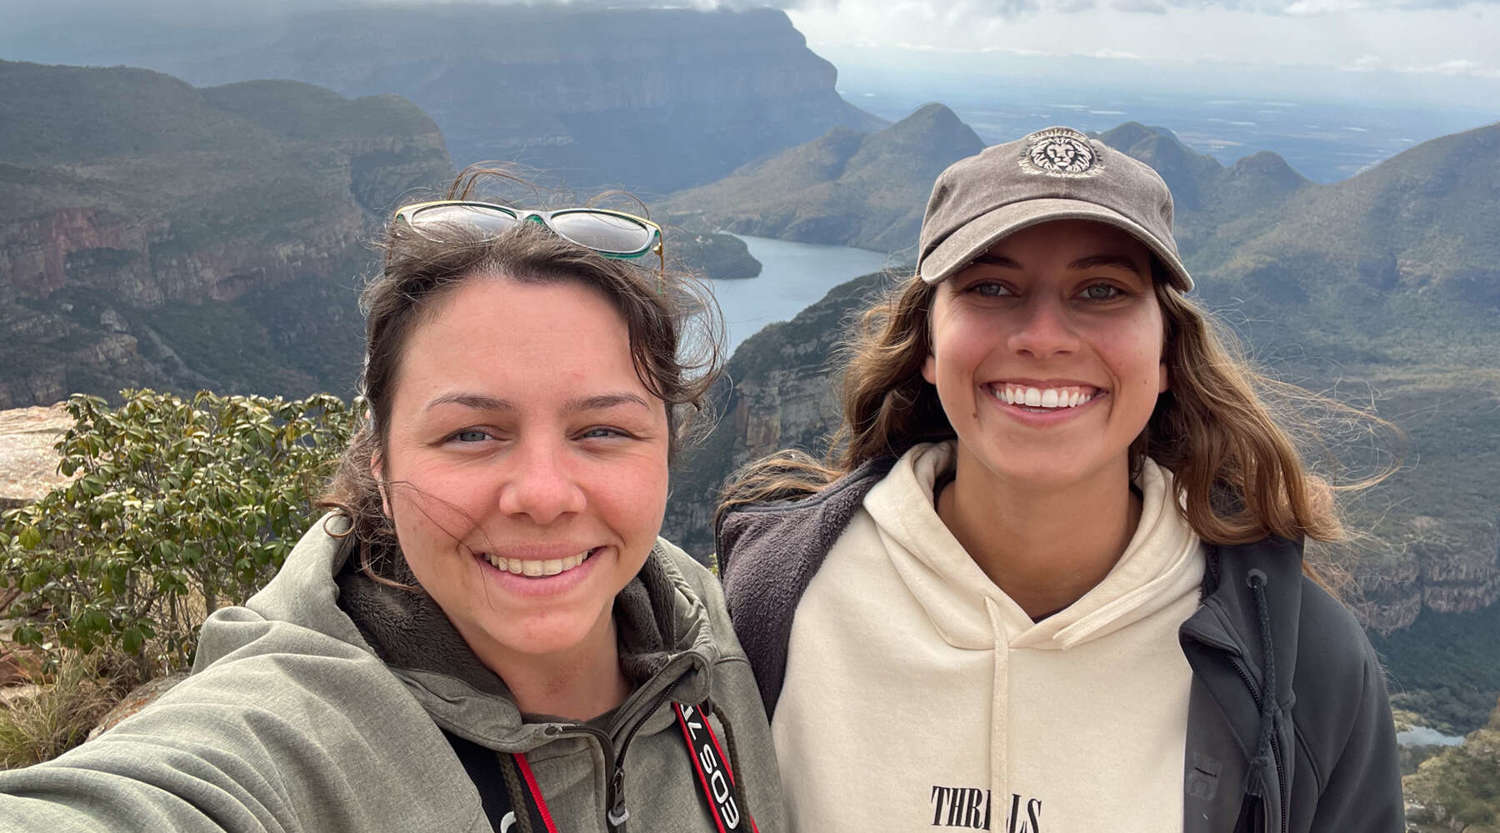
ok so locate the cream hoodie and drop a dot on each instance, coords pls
(919, 696)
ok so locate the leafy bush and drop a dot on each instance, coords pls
(177, 506)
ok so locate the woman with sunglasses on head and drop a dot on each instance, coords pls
(1052, 577)
(486, 632)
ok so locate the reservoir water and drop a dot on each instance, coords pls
(792, 277)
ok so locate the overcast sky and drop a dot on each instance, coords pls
(1434, 43)
(1431, 42)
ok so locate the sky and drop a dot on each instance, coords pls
(1435, 50)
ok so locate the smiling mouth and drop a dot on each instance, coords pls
(536, 568)
(1045, 398)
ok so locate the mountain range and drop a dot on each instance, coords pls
(845, 187)
(651, 100)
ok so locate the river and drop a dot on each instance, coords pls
(793, 276)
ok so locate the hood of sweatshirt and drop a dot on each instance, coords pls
(667, 641)
(1162, 562)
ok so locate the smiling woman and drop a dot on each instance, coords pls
(1060, 510)
(486, 633)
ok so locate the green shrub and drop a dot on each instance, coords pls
(177, 507)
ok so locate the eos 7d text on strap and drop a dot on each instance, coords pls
(714, 775)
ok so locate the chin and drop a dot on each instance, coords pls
(557, 635)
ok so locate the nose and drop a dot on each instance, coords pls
(539, 486)
(1043, 328)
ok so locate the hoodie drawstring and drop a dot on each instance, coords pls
(999, 705)
(1264, 757)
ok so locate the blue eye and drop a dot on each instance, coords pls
(471, 435)
(601, 433)
(990, 289)
(1102, 292)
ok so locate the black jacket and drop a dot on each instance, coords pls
(1319, 755)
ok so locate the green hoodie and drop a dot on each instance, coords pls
(321, 705)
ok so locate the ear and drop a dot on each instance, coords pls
(929, 369)
(377, 472)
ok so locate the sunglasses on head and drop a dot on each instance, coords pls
(613, 234)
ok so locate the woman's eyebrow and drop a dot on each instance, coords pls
(477, 401)
(603, 401)
(1095, 261)
(482, 402)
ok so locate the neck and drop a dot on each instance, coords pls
(580, 683)
(1044, 547)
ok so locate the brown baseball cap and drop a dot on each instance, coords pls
(1053, 174)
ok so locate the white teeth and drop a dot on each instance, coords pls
(535, 568)
(1070, 397)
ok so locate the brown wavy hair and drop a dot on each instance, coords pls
(1236, 467)
(675, 331)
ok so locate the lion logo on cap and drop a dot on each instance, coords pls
(1059, 151)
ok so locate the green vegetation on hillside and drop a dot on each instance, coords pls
(1459, 787)
(177, 506)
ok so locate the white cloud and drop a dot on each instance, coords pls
(1344, 35)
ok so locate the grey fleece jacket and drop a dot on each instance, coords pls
(1289, 727)
(322, 705)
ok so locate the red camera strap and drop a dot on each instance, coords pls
(714, 775)
(540, 804)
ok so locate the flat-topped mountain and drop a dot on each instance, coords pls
(153, 233)
(865, 190)
(653, 100)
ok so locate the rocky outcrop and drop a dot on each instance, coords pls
(28, 462)
(216, 200)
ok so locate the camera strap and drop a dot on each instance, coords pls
(714, 775)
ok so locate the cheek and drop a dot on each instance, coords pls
(632, 497)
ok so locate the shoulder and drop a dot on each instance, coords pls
(270, 737)
(782, 532)
(693, 579)
(769, 553)
(1337, 680)
(1338, 677)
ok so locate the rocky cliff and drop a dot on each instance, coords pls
(153, 233)
(650, 99)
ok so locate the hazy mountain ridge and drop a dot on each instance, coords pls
(153, 233)
(843, 187)
(649, 99)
